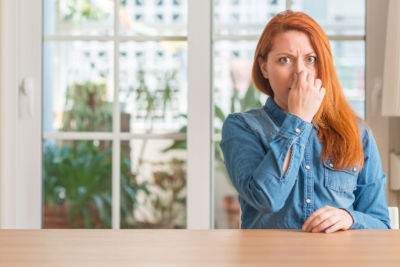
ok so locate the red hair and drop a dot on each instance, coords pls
(337, 123)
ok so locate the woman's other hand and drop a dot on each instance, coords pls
(305, 95)
(329, 219)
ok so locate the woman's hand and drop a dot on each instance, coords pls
(305, 96)
(329, 219)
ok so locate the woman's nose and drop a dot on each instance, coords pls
(299, 66)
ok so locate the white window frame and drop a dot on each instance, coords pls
(21, 174)
(20, 147)
(200, 117)
(198, 189)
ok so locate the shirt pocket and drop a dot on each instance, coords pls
(344, 181)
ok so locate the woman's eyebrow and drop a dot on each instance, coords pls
(287, 53)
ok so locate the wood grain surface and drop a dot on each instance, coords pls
(53, 247)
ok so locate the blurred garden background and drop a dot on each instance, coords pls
(115, 74)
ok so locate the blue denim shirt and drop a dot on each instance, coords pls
(255, 144)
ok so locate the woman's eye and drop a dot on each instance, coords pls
(284, 60)
(311, 59)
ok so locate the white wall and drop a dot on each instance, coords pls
(7, 186)
(382, 127)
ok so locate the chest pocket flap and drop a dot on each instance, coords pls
(340, 180)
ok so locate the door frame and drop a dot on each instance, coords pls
(21, 134)
(21, 54)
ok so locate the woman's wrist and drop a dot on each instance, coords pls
(301, 116)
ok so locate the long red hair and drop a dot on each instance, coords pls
(337, 123)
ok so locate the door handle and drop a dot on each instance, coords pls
(25, 97)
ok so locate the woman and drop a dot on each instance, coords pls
(304, 160)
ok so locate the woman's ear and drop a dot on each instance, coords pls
(263, 66)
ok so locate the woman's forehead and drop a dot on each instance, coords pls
(292, 42)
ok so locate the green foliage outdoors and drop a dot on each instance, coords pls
(78, 174)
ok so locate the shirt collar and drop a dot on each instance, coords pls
(274, 111)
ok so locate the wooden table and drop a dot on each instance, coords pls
(198, 248)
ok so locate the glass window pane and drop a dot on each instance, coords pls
(232, 86)
(153, 184)
(78, 95)
(77, 184)
(153, 18)
(244, 17)
(78, 17)
(349, 59)
(336, 17)
(78, 86)
(153, 86)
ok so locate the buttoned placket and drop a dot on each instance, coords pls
(308, 182)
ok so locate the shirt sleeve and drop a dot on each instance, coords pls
(256, 170)
(370, 206)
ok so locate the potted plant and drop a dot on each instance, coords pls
(77, 178)
(78, 187)
(166, 202)
(77, 175)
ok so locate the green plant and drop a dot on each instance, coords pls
(78, 174)
(86, 108)
(79, 177)
(251, 99)
(168, 194)
(162, 96)
(170, 201)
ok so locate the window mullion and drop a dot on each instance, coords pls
(256, 37)
(58, 37)
(116, 148)
(199, 114)
(288, 4)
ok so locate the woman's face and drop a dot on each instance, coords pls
(291, 53)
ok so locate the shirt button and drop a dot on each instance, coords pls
(331, 165)
(298, 130)
(308, 201)
(307, 167)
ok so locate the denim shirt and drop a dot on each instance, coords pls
(255, 144)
